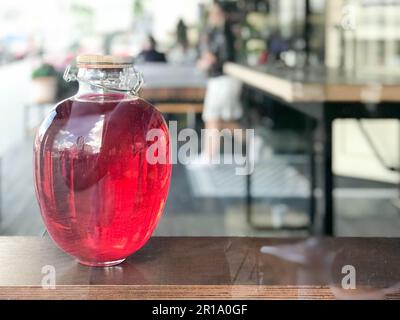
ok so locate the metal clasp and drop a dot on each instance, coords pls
(71, 74)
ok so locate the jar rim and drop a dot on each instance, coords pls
(103, 61)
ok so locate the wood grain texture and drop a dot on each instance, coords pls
(208, 268)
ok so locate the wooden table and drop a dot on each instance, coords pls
(170, 83)
(174, 89)
(323, 95)
(207, 268)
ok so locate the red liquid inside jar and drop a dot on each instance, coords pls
(99, 195)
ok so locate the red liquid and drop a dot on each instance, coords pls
(99, 196)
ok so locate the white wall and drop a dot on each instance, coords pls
(15, 84)
(167, 13)
(353, 156)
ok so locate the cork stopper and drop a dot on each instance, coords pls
(103, 61)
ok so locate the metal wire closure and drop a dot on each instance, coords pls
(71, 74)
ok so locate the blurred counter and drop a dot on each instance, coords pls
(323, 95)
(312, 84)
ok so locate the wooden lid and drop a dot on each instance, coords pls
(103, 61)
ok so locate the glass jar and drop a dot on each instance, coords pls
(100, 190)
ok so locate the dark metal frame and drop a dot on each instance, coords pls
(324, 114)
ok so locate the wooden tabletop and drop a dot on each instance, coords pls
(311, 84)
(207, 267)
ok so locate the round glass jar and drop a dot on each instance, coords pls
(100, 190)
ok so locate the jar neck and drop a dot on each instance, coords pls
(86, 88)
(123, 81)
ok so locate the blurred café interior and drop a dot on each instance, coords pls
(317, 80)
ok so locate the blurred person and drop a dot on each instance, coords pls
(277, 44)
(222, 104)
(182, 53)
(149, 52)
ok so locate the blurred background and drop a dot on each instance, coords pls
(38, 39)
